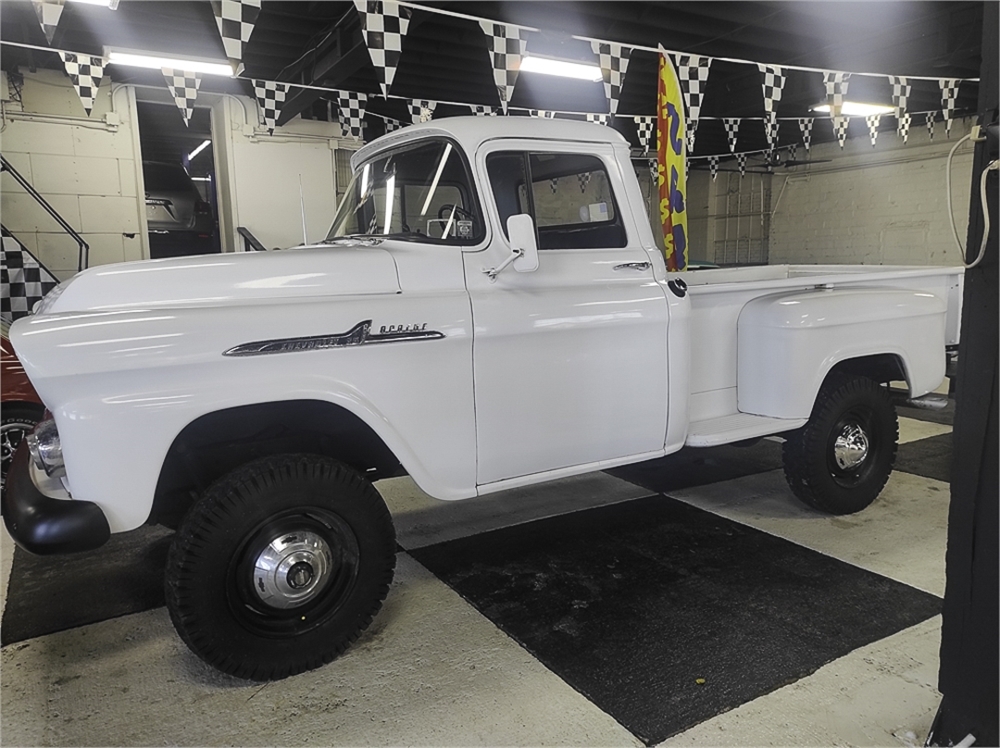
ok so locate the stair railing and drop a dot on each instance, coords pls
(84, 255)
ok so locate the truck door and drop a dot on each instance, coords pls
(569, 360)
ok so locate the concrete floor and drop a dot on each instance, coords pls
(433, 671)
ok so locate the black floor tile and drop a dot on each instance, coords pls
(633, 603)
(54, 593)
(930, 457)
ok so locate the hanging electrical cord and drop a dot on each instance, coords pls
(992, 166)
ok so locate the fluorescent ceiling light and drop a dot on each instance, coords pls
(201, 179)
(199, 149)
(143, 60)
(564, 68)
(113, 4)
(856, 109)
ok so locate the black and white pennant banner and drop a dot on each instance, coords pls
(236, 19)
(49, 12)
(507, 49)
(543, 113)
(873, 120)
(692, 72)
(900, 93)
(85, 72)
(270, 98)
(903, 129)
(482, 111)
(421, 110)
(645, 125)
(806, 126)
(383, 25)
(840, 125)
(713, 165)
(836, 90)
(741, 161)
(614, 63)
(183, 85)
(601, 119)
(930, 125)
(352, 112)
(732, 125)
(949, 93)
(792, 150)
(772, 85)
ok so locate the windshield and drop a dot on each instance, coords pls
(422, 193)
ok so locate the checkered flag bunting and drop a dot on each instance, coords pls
(713, 166)
(391, 125)
(584, 179)
(482, 111)
(806, 126)
(554, 185)
(903, 129)
(421, 110)
(949, 93)
(236, 19)
(183, 87)
(772, 85)
(85, 72)
(543, 113)
(741, 161)
(507, 48)
(601, 119)
(900, 93)
(49, 12)
(792, 151)
(732, 125)
(270, 98)
(352, 112)
(692, 73)
(873, 120)
(840, 128)
(383, 25)
(23, 280)
(614, 63)
(930, 125)
(836, 90)
(644, 126)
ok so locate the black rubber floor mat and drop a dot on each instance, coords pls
(46, 594)
(930, 457)
(697, 467)
(664, 615)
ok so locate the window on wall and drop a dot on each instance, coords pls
(568, 195)
(742, 219)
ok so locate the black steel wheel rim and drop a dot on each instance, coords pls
(267, 620)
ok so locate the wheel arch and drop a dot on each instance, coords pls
(217, 442)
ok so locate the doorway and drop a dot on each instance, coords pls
(178, 165)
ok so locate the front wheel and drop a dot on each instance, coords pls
(840, 460)
(280, 566)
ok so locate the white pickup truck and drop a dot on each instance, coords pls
(490, 309)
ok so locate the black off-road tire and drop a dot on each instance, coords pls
(300, 531)
(16, 422)
(845, 405)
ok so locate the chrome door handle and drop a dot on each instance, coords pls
(633, 266)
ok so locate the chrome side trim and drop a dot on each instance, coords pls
(360, 334)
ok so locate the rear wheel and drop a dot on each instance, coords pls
(280, 566)
(840, 460)
(16, 422)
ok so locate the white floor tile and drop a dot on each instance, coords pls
(911, 430)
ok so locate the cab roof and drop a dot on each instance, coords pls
(471, 132)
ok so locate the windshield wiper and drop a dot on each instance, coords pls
(365, 240)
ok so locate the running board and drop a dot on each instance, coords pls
(737, 427)
(929, 402)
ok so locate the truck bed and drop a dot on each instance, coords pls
(719, 295)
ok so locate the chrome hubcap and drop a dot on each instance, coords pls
(850, 447)
(292, 569)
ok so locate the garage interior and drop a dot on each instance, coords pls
(688, 600)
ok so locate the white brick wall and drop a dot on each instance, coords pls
(84, 167)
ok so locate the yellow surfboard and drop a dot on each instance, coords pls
(671, 154)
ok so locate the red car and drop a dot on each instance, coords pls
(20, 406)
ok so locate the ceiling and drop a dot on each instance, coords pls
(445, 58)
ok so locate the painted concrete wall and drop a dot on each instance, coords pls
(884, 205)
(87, 168)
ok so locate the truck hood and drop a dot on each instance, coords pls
(230, 278)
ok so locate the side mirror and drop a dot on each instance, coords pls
(521, 230)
